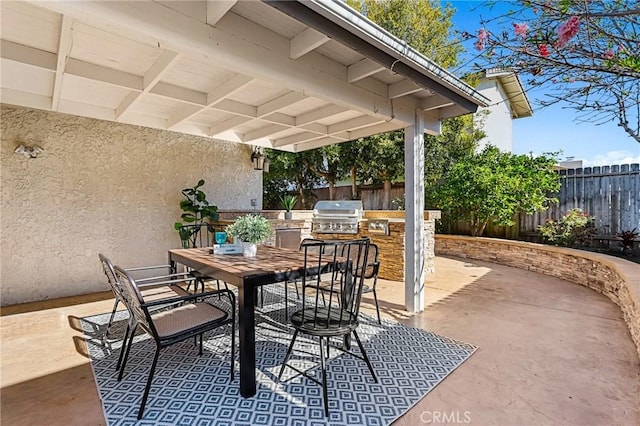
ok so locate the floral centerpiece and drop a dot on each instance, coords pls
(251, 230)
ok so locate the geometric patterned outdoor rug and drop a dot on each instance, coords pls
(188, 389)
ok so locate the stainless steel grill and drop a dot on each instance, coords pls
(337, 217)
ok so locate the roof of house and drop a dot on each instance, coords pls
(291, 75)
(514, 90)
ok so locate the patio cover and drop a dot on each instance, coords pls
(289, 75)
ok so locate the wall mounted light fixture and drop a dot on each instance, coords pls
(259, 160)
(29, 151)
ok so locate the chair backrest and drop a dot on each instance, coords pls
(195, 236)
(107, 267)
(373, 264)
(133, 300)
(346, 260)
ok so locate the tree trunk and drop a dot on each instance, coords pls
(354, 186)
(332, 191)
(386, 195)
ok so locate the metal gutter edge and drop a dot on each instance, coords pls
(340, 22)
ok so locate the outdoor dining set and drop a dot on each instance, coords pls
(171, 304)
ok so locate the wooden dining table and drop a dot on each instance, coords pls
(270, 265)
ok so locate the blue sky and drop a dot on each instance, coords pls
(554, 128)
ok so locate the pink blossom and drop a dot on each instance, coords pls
(568, 30)
(543, 50)
(521, 29)
(483, 36)
(609, 54)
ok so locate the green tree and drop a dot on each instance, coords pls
(584, 54)
(424, 24)
(382, 161)
(459, 138)
(327, 163)
(492, 186)
(289, 172)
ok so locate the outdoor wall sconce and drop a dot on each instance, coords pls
(29, 151)
(259, 160)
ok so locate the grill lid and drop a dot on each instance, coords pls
(342, 209)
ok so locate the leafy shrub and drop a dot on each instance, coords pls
(626, 239)
(250, 228)
(575, 228)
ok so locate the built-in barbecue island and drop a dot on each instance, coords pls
(345, 219)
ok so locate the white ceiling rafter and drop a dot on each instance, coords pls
(214, 97)
(64, 45)
(363, 69)
(28, 55)
(216, 9)
(149, 80)
(238, 71)
(403, 88)
(305, 42)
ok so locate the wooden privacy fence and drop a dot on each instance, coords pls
(611, 194)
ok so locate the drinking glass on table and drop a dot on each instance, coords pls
(221, 237)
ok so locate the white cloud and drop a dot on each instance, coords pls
(612, 158)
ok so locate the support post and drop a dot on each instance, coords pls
(414, 254)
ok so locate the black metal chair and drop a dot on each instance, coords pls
(197, 236)
(181, 318)
(371, 273)
(346, 261)
(152, 288)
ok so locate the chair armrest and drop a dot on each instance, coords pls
(185, 275)
(164, 283)
(189, 298)
(144, 268)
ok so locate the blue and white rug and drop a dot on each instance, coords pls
(189, 389)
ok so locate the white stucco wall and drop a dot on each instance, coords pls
(100, 187)
(497, 123)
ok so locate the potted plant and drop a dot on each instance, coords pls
(251, 230)
(196, 209)
(288, 202)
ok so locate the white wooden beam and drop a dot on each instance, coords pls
(280, 103)
(280, 118)
(159, 68)
(354, 123)
(434, 102)
(305, 42)
(319, 114)
(106, 75)
(178, 93)
(64, 47)
(403, 88)
(29, 100)
(293, 139)
(186, 113)
(318, 143)
(228, 88)
(263, 132)
(216, 9)
(241, 45)
(362, 69)
(227, 124)
(236, 108)
(414, 252)
(149, 80)
(28, 55)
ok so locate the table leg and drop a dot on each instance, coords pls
(247, 332)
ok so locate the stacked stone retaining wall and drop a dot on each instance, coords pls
(618, 279)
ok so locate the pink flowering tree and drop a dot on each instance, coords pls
(584, 53)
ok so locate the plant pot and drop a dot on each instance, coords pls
(249, 249)
(288, 215)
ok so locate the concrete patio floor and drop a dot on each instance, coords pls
(550, 352)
